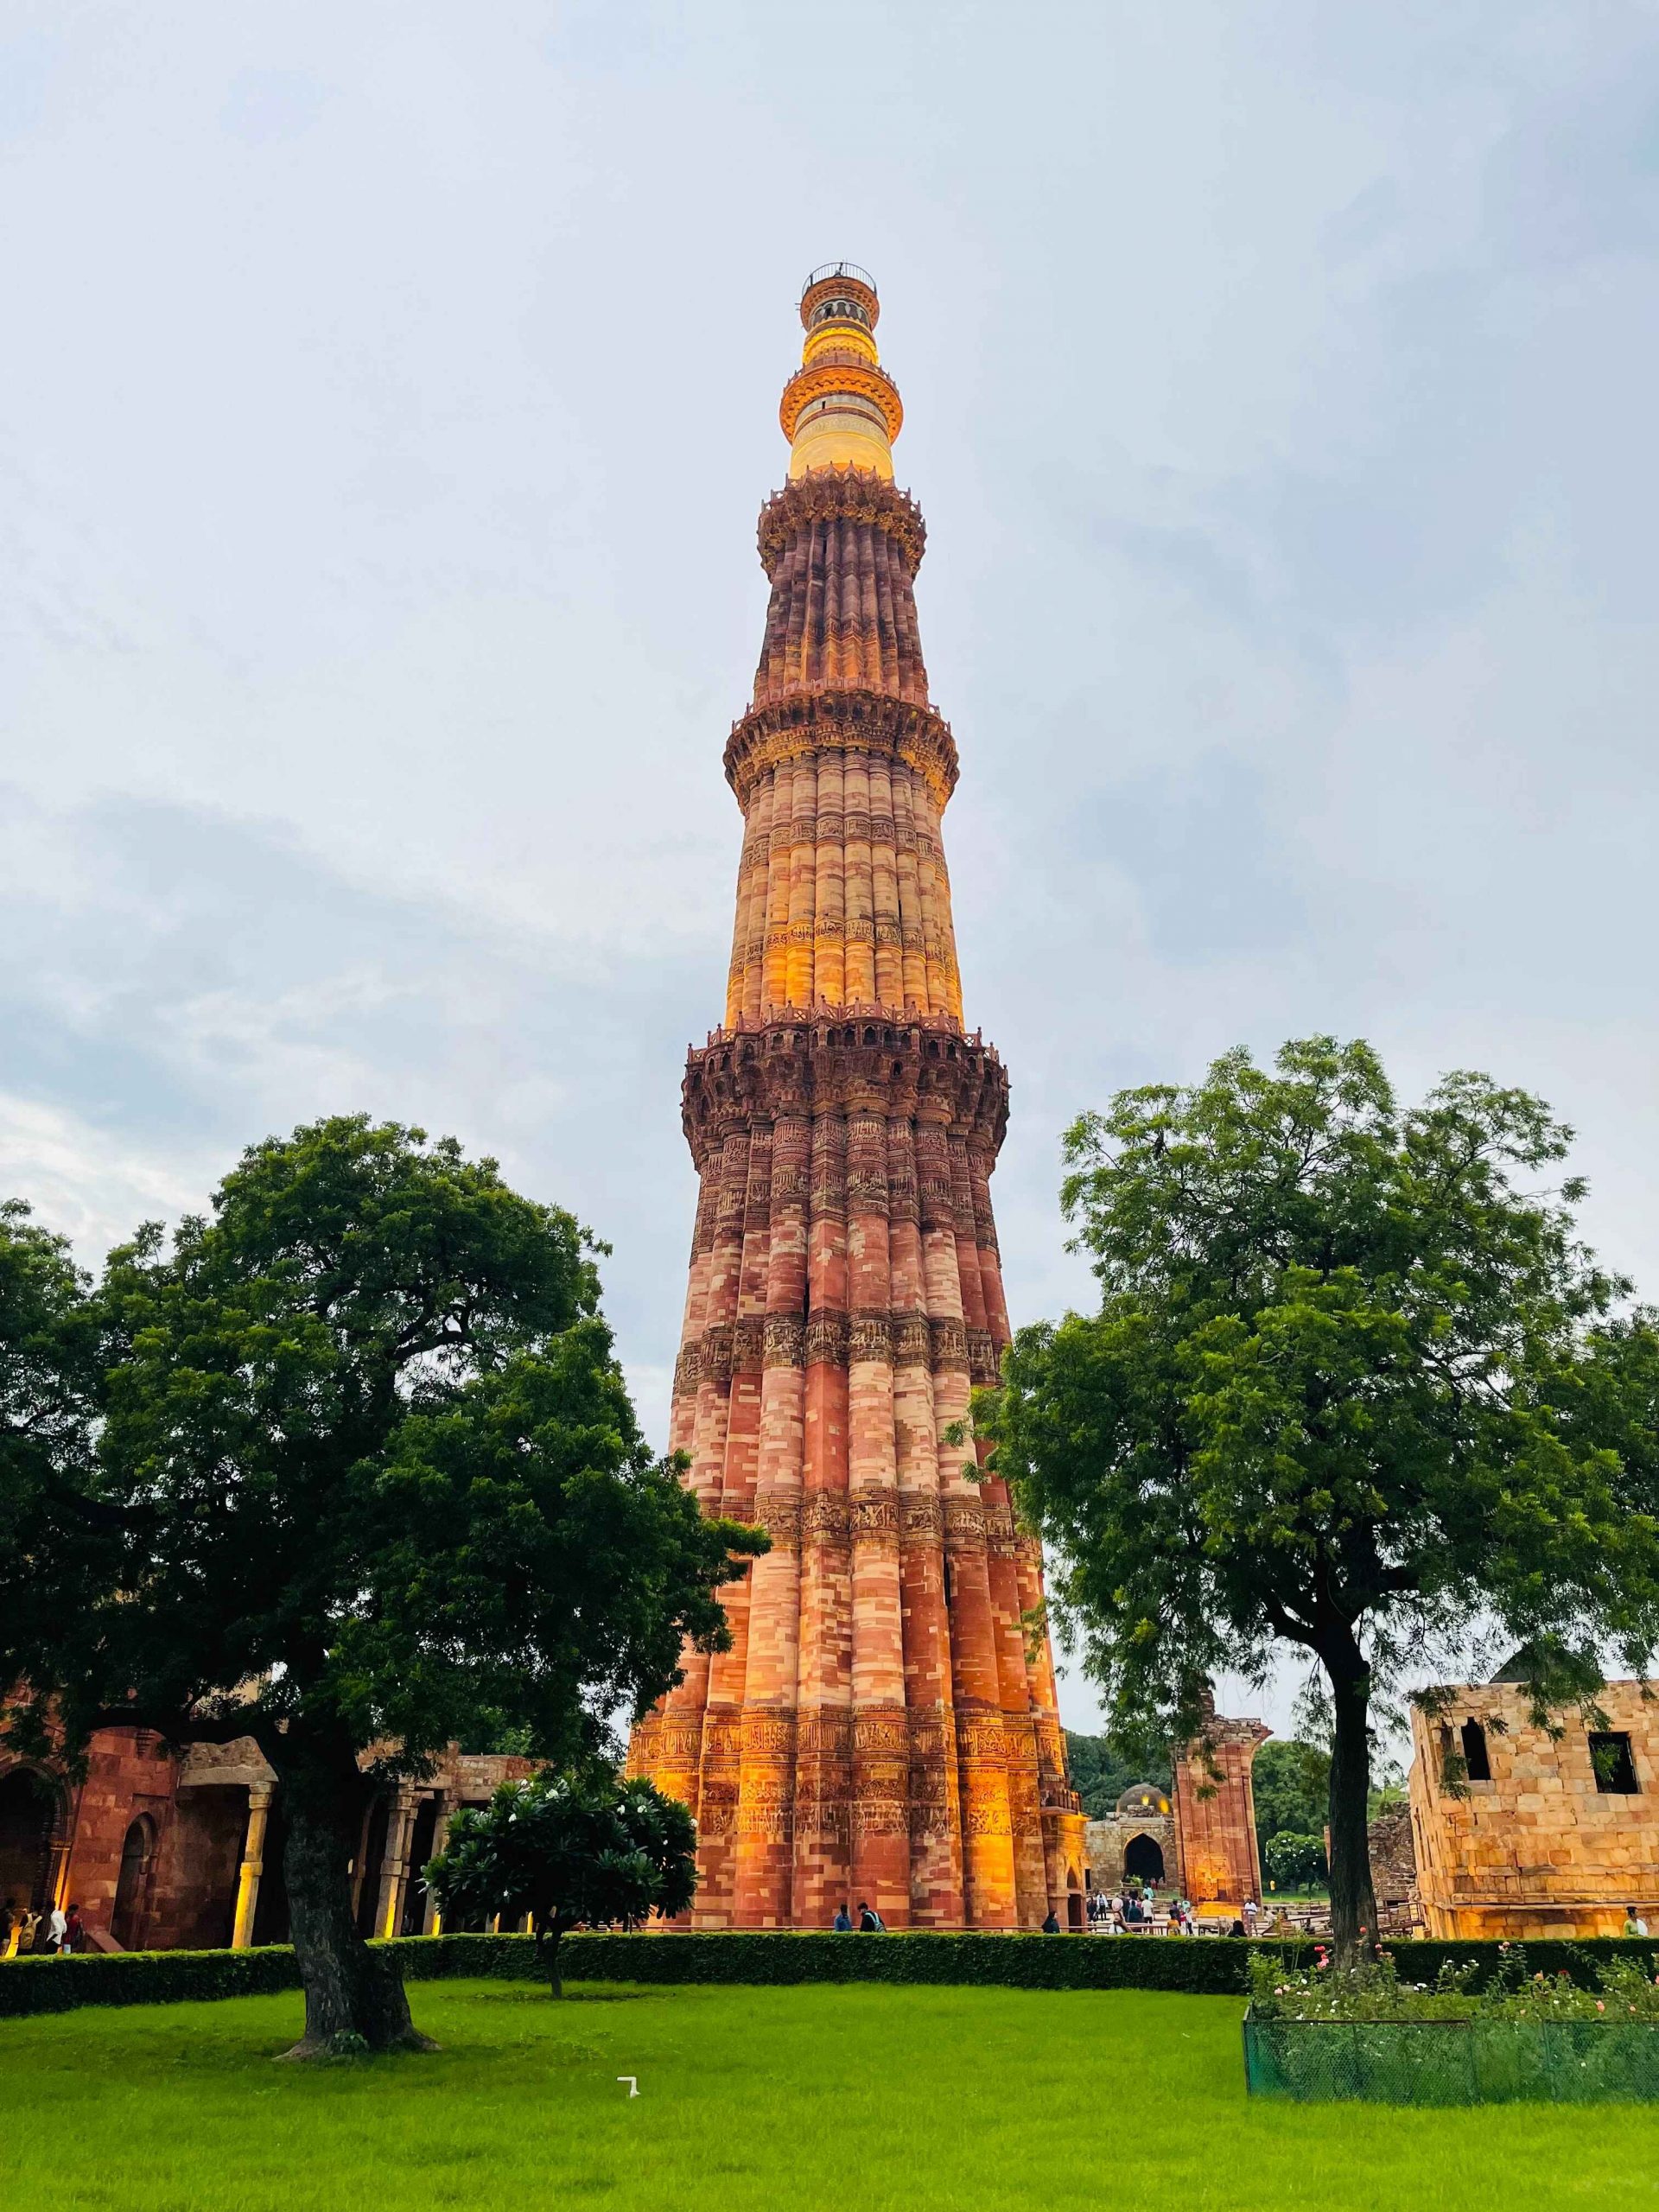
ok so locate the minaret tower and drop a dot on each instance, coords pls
(885, 1725)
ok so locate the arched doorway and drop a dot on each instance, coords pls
(1143, 1859)
(28, 1807)
(128, 1919)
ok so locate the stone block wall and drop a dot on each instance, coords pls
(1540, 1846)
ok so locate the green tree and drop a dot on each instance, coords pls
(367, 1467)
(1293, 1862)
(48, 1382)
(1101, 1771)
(569, 1851)
(1354, 1385)
(1290, 1781)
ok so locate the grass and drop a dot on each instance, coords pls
(855, 2099)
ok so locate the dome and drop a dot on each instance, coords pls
(1146, 1801)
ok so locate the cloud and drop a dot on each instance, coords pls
(387, 405)
(81, 1185)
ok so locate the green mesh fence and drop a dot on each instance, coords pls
(1452, 2062)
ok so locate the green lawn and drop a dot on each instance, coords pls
(852, 2098)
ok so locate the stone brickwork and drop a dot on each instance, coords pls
(1394, 1869)
(1136, 1838)
(1215, 1814)
(164, 1852)
(885, 1726)
(1539, 1848)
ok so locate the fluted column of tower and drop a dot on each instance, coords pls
(884, 1727)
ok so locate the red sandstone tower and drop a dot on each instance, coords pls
(884, 1725)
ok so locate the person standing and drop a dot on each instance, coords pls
(74, 1930)
(842, 1922)
(57, 1928)
(870, 1922)
(1051, 1925)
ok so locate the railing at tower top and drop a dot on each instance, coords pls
(838, 268)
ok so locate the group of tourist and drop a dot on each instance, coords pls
(22, 1931)
(1117, 1914)
(1133, 1912)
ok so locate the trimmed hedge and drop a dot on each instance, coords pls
(54, 1984)
(1201, 1967)
(48, 1985)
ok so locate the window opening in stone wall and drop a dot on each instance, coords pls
(1476, 1766)
(1610, 1755)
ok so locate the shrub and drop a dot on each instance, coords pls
(1615, 1986)
(1292, 1861)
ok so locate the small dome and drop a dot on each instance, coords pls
(1146, 1800)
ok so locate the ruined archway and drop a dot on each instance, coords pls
(29, 1803)
(1143, 1859)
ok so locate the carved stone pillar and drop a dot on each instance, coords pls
(253, 1865)
(394, 1867)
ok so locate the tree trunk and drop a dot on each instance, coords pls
(553, 1974)
(1353, 1903)
(349, 1990)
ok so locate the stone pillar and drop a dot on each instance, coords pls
(253, 1865)
(1215, 1812)
(431, 1918)
(394, 1867)
(360, 1859)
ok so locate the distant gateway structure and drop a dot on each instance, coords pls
(882, 1727)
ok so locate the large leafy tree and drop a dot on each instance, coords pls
(1354, 1387)
(48, 1378)
(1101, 1772)
(566, 1851)
(1290, 1782)
(366, 1467)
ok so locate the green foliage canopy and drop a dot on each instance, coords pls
(49, 1382)
(565, 1850)
(1292, 1861)
(367, 1465)
(1291, 1780)
(1101, 1772)
(1353, 1384)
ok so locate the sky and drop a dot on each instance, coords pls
(387, 396)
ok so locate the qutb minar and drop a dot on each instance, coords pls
(884, 1727)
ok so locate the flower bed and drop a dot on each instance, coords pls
(1324, 2034)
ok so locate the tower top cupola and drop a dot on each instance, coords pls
(840, 408)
